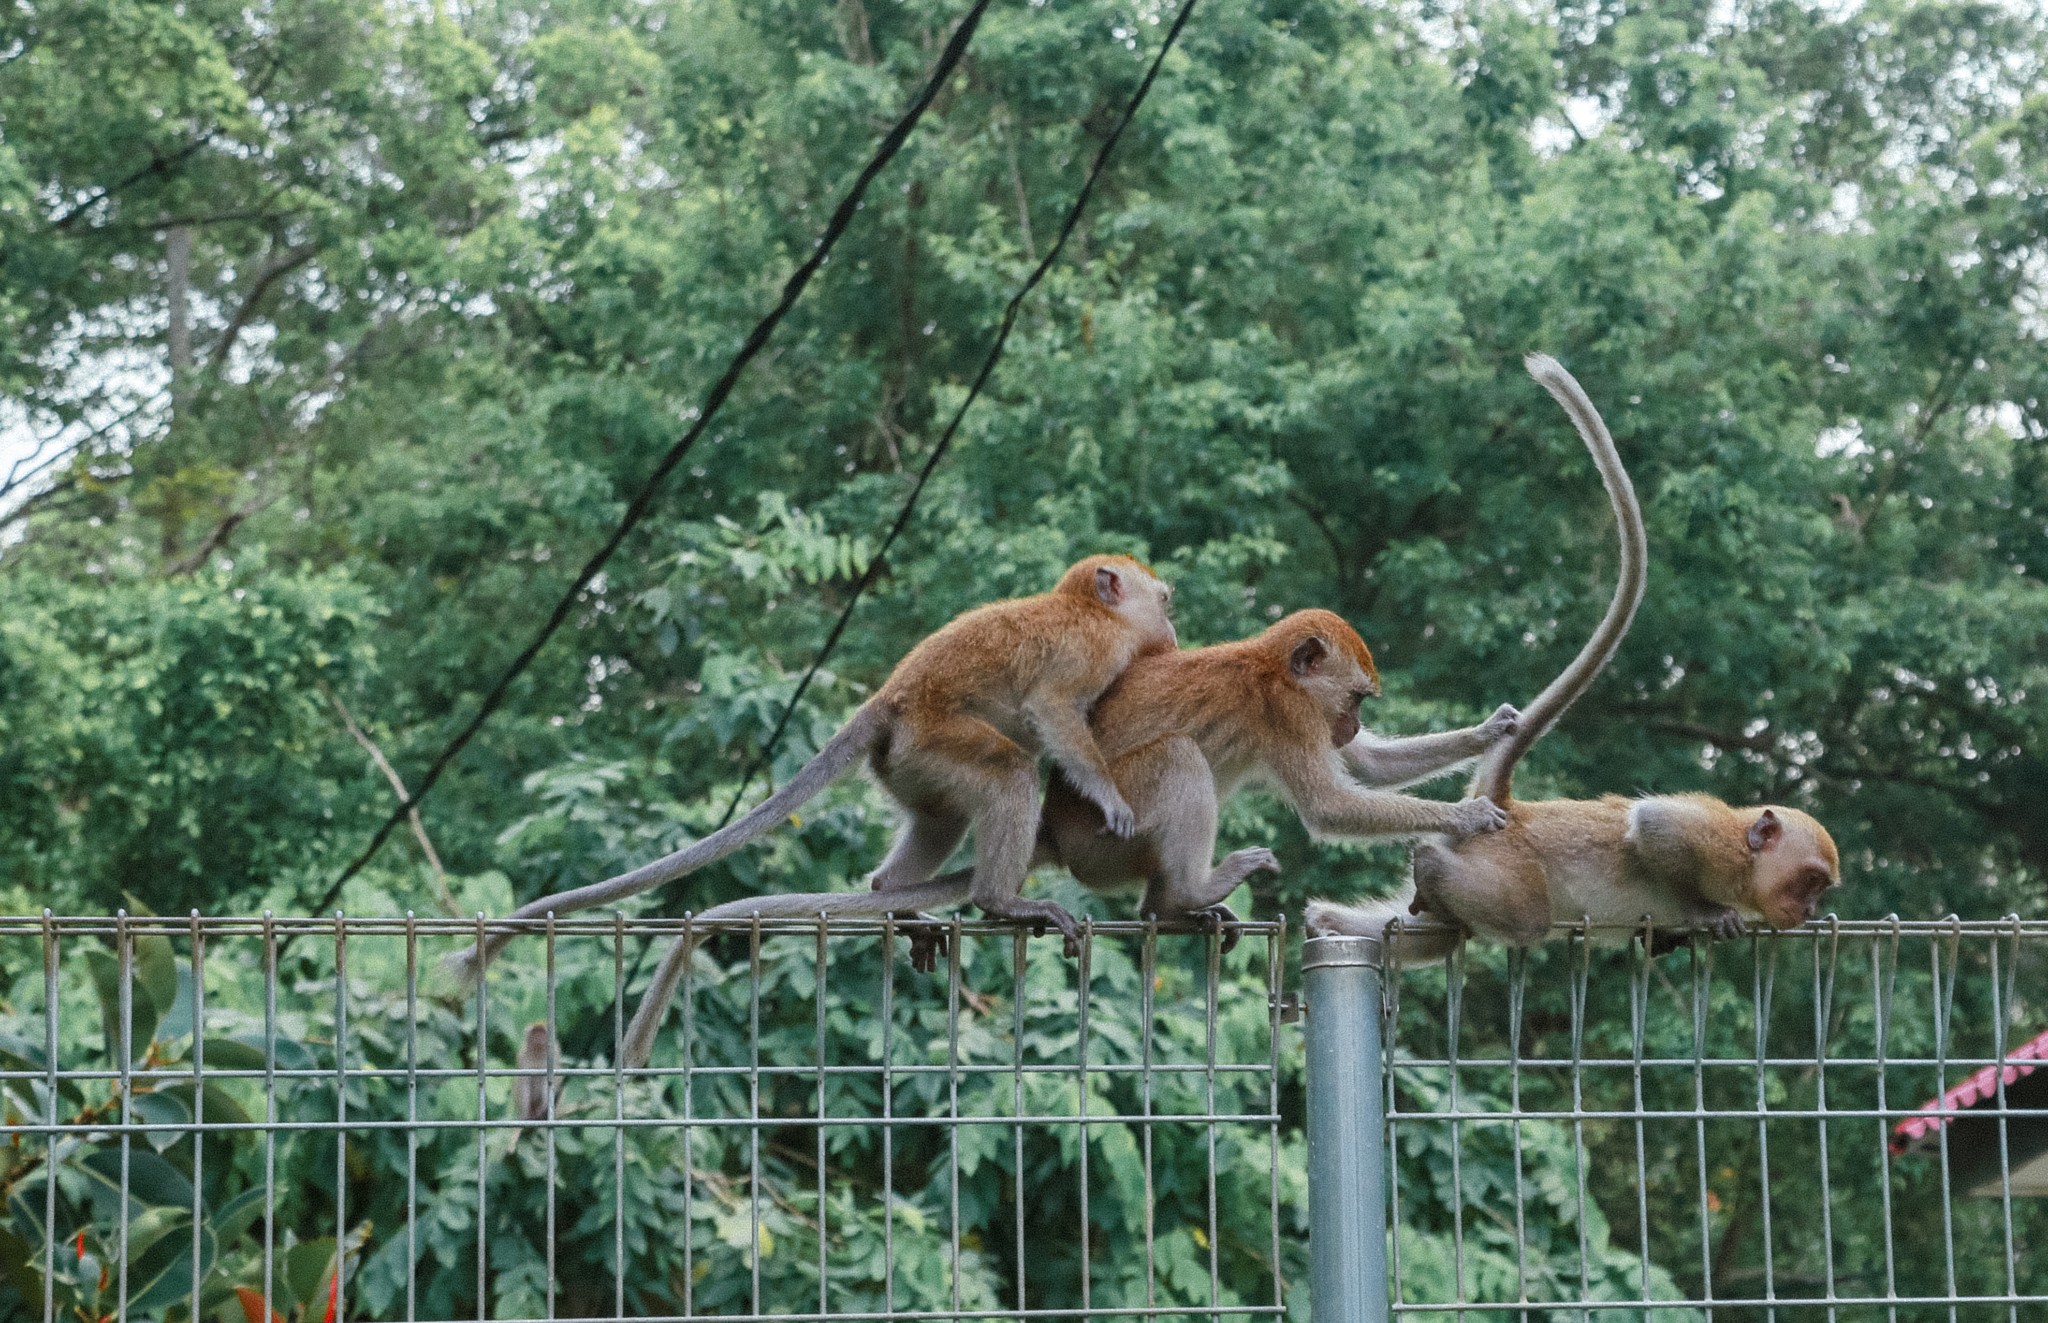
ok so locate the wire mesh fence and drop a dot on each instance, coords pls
(278, 1121)
(285, 1120)
(1741, 1132)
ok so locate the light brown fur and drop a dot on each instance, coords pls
(954, 736)
(1184, 731)
(1685, 861)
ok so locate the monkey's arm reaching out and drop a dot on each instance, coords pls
(1390, 764)
(1331, 806)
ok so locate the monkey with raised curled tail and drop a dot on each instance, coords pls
(1678, 861)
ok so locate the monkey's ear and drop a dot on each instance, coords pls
(1109, 585)
(1765, 831)
(1307, 655)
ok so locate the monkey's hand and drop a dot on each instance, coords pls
(1664, 943)
(1724, 922)
(1473, 817)
(1505, 721)
(1719, 922)
(1118, 817)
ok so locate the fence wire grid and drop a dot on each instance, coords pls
(1737, 1133)
(285, 1120)
(270, 1120)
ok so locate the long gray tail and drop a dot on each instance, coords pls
(939, 893)
(1494, 776)
(1410, 943)
(840, 753)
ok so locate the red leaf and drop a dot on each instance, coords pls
(252, 1305)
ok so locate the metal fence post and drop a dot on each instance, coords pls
(1347, 1161)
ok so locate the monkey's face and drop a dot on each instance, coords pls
(1149, 607)
(1336, 683)
(1795, 864)
(1139, 597)
(1160, 632)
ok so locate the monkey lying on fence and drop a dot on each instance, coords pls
(953, 736)
(1676, 860)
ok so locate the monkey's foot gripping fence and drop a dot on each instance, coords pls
(202, 1119)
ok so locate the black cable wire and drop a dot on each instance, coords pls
(945, 441)
(948, 62)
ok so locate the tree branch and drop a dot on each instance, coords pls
(177, 295)
(157, 165)
(25, 469)
(1761, 742)
(213, 541)
(852, 23)
(1321, 521)
(18, 477)
(1938, 403)
(198, 218)
(34, 501)
(278, 264)
(1017, 182)
(442, 896)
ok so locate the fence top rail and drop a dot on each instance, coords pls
(426, 925)
(1828, 925)
(281, 925)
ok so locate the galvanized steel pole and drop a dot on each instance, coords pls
(1347, 1162)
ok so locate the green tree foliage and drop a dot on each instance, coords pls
(334, 336)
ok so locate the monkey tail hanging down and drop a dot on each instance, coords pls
(953, 736)
(940, 893)
(1671, 860)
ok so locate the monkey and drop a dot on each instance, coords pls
(1184, 731)
(953, 736)
(1673, 860)
(1217, 707)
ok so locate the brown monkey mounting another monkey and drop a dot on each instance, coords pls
(1675, 860)
(953, 736)
(1184, 731)
(1180, 733)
